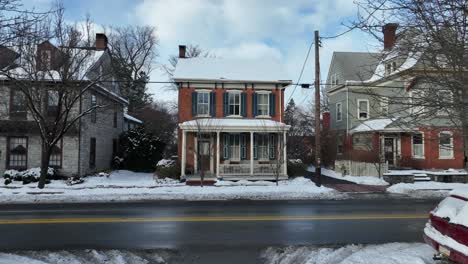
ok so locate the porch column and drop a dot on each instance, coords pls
(251, 153)
(184, 147)
(285, 160)
(217, 153)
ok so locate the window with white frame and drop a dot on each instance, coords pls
(363, 109)
(417, 141)
(263, 104)
(445, 145)
(203, 103)
(234, 103)
(234, 147)
(262, 146)
(390, 67)
(339, 112)
(384, 102)
(334, 79)
(445, 99)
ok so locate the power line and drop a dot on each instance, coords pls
(302, 71)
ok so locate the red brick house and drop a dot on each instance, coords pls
(231, 118)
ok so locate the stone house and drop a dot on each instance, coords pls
(90, 144)
(374, 119)
(231, 118)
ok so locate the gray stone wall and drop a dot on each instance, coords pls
(104, 132)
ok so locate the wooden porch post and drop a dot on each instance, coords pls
(184, 147)
(285, 160)
(251, 153)
(217, 153)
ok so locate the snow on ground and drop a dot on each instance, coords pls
(131, 186)
(366, 180)
(393, 253)
(87, 257)
(425, 189)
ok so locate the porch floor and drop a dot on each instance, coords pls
(213, 178)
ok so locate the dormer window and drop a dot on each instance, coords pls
(390, 67)
(46, 58)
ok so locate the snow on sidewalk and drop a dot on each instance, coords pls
(393, 253)
(365, 180)
(425, 189)
(130, 186)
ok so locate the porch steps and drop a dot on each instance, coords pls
(421, 177)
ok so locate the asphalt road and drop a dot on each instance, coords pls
(212, 227)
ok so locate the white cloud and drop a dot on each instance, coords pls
(248, 50)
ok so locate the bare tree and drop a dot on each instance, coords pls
(134, 53)
(50, 80)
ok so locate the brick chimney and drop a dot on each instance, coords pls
(182, 50)
(101, 41)
(389, 31)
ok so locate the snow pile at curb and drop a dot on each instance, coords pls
(425, 189)
(86, 257)
(393, 253)
(365, 180)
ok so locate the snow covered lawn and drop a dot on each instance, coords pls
(366, 180)
(131, 186)
(425, 189)
(393, 253)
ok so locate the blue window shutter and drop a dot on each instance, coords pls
(272, 146)
(272, 104)
(254, 104)
(213, 104)
(244, 104)
(194, 103)
(226, 104)
(226, 146)
(255, 146)
(243, 147)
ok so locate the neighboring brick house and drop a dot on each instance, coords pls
(231, 118)
(375, 131)
(89, 145)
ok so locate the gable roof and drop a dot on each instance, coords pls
(217, 69)
(355, 66)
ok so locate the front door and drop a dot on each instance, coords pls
(389, 151)
(204, 154)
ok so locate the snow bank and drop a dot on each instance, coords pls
(365, 180)
(424, 189)
(87, 257)
(440, 238)
(393, 253)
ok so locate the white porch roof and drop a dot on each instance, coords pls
(383, 125)
(233, 125)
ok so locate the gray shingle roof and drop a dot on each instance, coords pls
(355, 66)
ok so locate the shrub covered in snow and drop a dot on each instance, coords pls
(140, 150)
(296, 167)
(28, 176)
(167, 168)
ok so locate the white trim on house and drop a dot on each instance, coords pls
(238, 93)
(233, 125)
(207, 103)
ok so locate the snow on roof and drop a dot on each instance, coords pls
(372, 125)
(133, 119)
(262, 70)
(232, 124)
(411, 60)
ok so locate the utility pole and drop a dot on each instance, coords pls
(318, 169)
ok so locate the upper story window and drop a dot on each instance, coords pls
(203, 103)
(94, 110)
(263, 104)
(384, 102)
(363, 109)
(46, 59)
(339, 112)
(417, 102)
(334, 79)
(390, 67)
(235, 103)
(18, 107)
(445, 145)
(52, 102)
(418, 146)
(445, 102)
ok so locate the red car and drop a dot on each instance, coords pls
(447, 229)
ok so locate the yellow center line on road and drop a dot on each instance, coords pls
(209, 219)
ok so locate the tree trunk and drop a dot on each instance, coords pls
(45, 157)
(464, 124)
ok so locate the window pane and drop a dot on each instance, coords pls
(417, 139)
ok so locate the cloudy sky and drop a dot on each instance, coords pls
(282, 29)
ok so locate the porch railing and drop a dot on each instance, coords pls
(244, 169)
